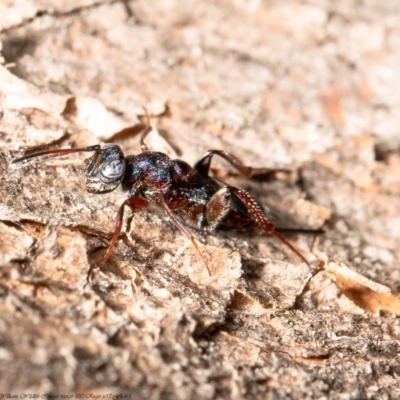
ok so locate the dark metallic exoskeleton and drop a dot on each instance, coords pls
(173, 185)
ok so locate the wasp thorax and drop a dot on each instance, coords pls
(105, 169)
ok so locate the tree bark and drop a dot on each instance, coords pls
(307, 87)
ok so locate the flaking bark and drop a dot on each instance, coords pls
(293, 85)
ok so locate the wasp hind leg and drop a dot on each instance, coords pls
(221, 203)
(262, 221)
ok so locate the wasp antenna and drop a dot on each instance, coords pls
(46, 154)
(147, 130)
(55, 153)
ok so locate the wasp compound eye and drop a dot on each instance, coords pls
(105, 169)
(113, 171)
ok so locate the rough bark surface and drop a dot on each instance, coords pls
(311, 86)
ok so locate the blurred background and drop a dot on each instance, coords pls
(310, 86)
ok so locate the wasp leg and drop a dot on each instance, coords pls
(202, 165)
(184, 230)
(261, 219)
(136, 204)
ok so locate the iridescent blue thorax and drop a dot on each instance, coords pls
(146, 172)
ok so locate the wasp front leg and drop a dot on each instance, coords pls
(136, 204)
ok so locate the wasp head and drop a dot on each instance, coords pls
(105, 169)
